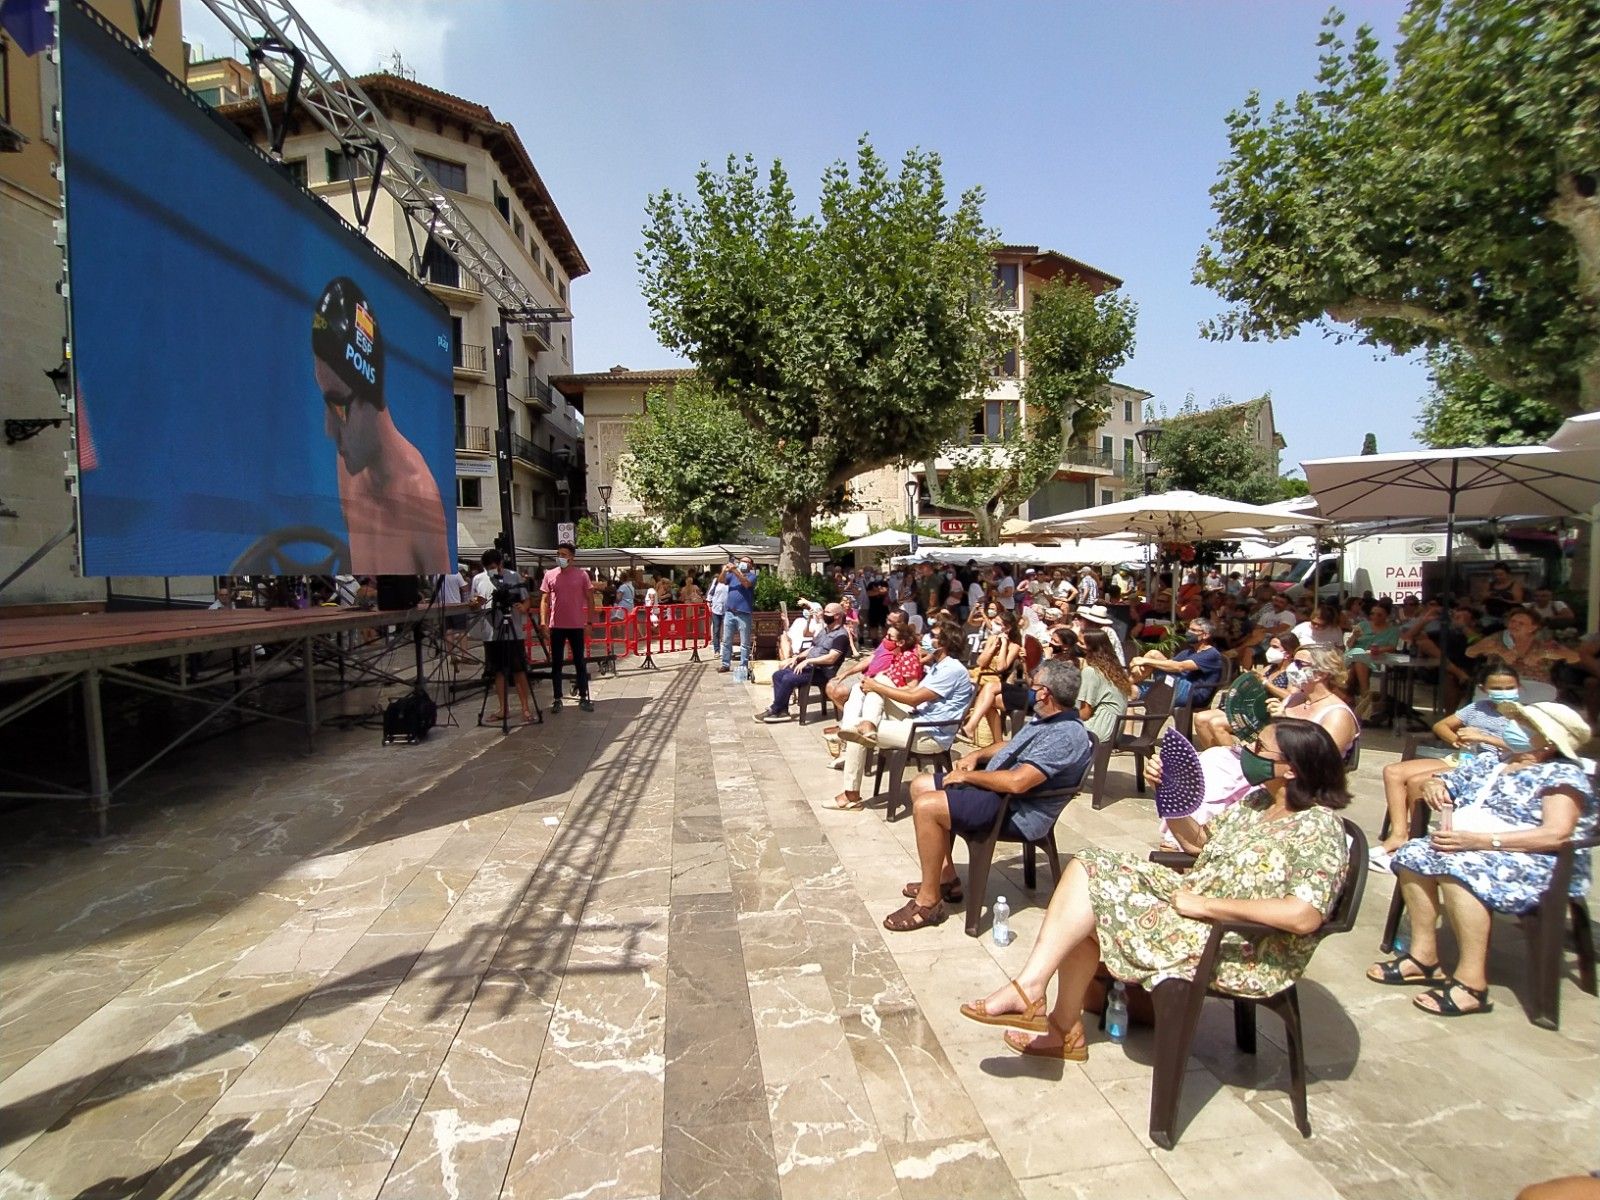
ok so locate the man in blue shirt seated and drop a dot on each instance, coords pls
(1052, 752)
(942, 694)
(817, 662)
(1195, 671)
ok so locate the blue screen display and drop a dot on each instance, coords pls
(259, 391)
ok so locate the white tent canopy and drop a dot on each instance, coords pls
(1099, 551)
(889, 539)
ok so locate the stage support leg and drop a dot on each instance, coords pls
(95, 734)
(311, 695)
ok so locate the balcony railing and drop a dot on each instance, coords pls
(451, 276)
(471, 358)
(472, 437)
(539, 393)
(533, 455)
(540, 331)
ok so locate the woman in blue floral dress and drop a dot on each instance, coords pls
(1278, 857)
(1497, 855)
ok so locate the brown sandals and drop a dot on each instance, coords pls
(951, 891)
(1030, 1019)
(1068, 1051)
(914, 916)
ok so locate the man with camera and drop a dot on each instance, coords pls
(503, 629)
(739, 611)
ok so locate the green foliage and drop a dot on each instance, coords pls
(625, 531)
(847, 340)
(1465, 409)
(1211, 451)
(772, 588)
(1369, 444)
(1448, 203)
(1291, 486)
(694, 458)
(1074, 341)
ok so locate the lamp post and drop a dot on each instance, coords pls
(911, 507)
(1149, 438)
(605, 513)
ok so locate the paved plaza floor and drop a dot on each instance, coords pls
(633, 953)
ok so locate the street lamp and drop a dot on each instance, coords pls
(605, 513)
(1149, 438)
(911, 507)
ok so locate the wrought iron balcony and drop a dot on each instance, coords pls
(539, 393)
(473, 437)
(471, 358)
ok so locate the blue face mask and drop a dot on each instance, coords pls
(1516, 737)
(1503, 695)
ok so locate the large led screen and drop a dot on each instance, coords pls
(259, 392)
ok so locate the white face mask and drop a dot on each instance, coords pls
(1274, 655)
(563, 560)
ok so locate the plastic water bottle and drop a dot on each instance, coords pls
(1002, 922)
(1402, 936)
(1117, 1012)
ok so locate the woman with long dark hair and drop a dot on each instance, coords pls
(1277, 857)
(1106, 689)
(998, 665)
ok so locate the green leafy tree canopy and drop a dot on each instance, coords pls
(1448, 202)
(693, 459)
(625, 531)
(1211, 450)
(1074, 340)
(848, 339)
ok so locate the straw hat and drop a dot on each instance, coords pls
(1095, 613)
(1560, 725)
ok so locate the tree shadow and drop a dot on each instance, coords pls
(172, 1179)
(532, 935)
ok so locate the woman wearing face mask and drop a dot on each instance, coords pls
(998, 665)
(1316, 673)
(1497, 854)
(1482, 727)
(1211, 726)
(1279, 858)
(1371, 642)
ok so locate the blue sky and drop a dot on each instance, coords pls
(1094, 129)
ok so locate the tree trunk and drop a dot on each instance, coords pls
(988, 526)
(794, 541)
(1579, 215)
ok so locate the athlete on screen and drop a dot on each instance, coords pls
(391, 502)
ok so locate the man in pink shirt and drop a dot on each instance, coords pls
(564, 612)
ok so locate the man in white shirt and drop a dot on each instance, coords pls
(452, 591)
(1557, 614)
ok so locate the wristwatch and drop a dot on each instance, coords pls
(1495, 841)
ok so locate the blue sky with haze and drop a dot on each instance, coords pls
(1094, 129)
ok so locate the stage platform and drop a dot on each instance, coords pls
(49, 655)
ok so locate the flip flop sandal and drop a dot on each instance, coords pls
(1447, 1007)
(848, 805)
(914, 916)
(950, 891)
(1031, 1019)
(1390, 975)
(1066, 1052)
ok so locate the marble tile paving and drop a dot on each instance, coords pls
(635, 953)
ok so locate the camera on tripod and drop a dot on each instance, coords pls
(508, 595)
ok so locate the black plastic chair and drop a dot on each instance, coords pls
(1545, 927)
(980, 851)
(1138, 734)
(892, 762)
(815, 688)
(1177, 1002)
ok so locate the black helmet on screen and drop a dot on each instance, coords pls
(345, 338)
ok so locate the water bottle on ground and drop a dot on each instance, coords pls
(1002, 921)
(1117, 1012)
(1402, 937)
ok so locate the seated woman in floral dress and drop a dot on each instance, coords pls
(1499, 854)
(1277, 857)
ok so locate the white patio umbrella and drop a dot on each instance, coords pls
(1487, 481)
(889, 539)
(1581, 432)
(1171, 517)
